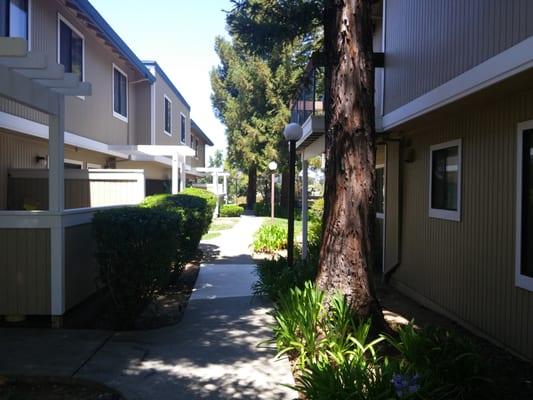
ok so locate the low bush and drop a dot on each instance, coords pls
(275, 277)
(193, 210)
(448, 365)
(270, 238)
(135, 250)
(231, 210)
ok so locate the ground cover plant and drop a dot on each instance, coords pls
(272, 235)
(338, 356)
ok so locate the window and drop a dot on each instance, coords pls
(182, 128)
(168, 116)
(73, 164)
(14, 18)
(524, 220)
(70, 48)
(196, 148)
(445, 181)
(120, 94)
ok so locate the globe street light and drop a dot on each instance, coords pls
(292, 132)
(272, 166)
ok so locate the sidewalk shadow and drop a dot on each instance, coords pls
(212, 255)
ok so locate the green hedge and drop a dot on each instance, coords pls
(193, 209)
(231, 210)
(135, 250)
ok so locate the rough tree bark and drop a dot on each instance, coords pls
(251, 190)
(346, 257)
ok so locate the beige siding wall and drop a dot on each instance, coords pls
(20, 151)
(199, 161)
(81, 267)
(467, 268)
(91, 117)
(141, 112)
(162, 90)
(428, 42)
(24, 271)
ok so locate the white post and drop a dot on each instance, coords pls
(175, 172)
(225, 187)
(56, 205)
(183, 174)
(305, 205)
(215, 182)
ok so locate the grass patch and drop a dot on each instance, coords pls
(218, 225)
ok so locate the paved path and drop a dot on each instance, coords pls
(215, 352)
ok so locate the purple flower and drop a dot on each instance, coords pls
(405, 385)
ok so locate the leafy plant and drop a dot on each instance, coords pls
(135, 250)
(270, 238)
(231, 210)
(275, 277)
(449, 365)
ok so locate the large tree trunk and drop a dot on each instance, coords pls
(251, 191)
(346, 256)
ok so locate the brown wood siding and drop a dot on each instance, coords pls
(81, 267)
(24, 272)
(429, 42)
(141, 112)
(14, 108)
(467, 268)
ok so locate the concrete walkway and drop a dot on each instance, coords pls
(216, 352)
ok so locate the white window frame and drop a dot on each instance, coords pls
(93, 166)
(116, 114)
(60, 18)
(184, 141)
(164, 116)
(438, 213)
(521, 280)
(74, 162)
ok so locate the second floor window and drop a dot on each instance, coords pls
(70, 49)
(120, 93)
(168, 116)
(182, 128)
(14, 18)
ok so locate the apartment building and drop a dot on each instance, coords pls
(454, 108)
(199, 141)
(84, 124)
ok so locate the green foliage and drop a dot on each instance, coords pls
(317, 210)
(217, 159)
(449, 365)
(193, 210)
(270, 238)
(275, 277)
(231, 210)
(135, 250)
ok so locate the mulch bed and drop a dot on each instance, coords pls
(54, 389)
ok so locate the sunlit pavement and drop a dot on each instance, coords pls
(218, 350)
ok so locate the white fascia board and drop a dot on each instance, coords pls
(38, 130)
(510, 62)
(153, 150)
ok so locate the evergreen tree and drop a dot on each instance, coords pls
(346, 257)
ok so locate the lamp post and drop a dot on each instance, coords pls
(272, 166)
(292, 132)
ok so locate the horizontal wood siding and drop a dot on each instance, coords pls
(81, 267)
(20, 151)
(24, 272)
(467, 268)
(429, 42)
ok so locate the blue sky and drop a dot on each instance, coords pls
(179, 35)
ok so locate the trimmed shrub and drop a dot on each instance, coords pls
(135, 250)
(270, 238)
(231, 210)
(193, 212)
